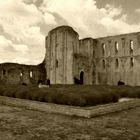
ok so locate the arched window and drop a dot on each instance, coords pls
(116, 63)
(21, 74)
(93, 53)
(116, 47)
(56, 63)
(131, 62)
(103, 64)
(4, 72)
(31, 74)
(131, 46)
(103, 48)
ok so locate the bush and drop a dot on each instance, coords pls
(21, 92)
(71, 95)
(10, 91)
(2, 89)
(127, 91)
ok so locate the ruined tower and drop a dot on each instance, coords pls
(69, 59)
(61, 43)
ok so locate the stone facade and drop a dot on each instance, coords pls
(118, 58)
(100, 61)
(12, 73)
(84, 61)
(60, 46)
(68, 60)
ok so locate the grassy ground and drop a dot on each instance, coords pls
(20, 124)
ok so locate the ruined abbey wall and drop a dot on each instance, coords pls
(68, 60)
(84, 61)
(101, 61)
(67, 56)
(12, 73)
(118, 58)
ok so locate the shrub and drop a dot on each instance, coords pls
(10, 91)
(71, 95)
(2, 89)
(127, 91)
(21, 92)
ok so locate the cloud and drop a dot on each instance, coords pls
(4, 42)
(19, 23)
(112, 11)
(21, 48)
(17, 53)
(11, 51)
(137, 10)
(17, 19)
(25, 23)
(49, 19)
(88, 19)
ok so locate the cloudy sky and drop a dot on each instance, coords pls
(25, 23)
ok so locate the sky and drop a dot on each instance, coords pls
(25, 23)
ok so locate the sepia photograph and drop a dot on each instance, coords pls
(69, 69)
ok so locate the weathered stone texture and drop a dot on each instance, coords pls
(121, 65)
(100, 61)
(11, 73)
(84, 60)
(60, 45)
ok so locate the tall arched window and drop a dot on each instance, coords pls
(82, 77)
(56, 63)
(21, 74)
(131, 46)
(116, 63)
(93, 53)
(103, 64)
(116, 47)
(103, 49)
(31, 74)
(4, 72)
(131, 62)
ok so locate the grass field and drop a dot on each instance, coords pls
(71, 94)
(20, 124)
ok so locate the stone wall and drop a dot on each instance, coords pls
(118, 58)
(103, 61)
(84, 61)
(12, 73)
(60, 45)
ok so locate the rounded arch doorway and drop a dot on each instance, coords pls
(82, 77)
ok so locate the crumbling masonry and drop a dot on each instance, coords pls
(68, 60)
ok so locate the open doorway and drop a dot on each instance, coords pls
(82, 77)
